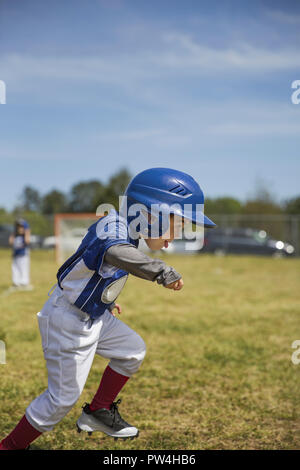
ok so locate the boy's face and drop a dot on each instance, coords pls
(20, 229)
(163, 241)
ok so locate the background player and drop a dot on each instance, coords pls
(20, 242)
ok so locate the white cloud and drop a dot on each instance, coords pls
(185, 53)
(144, 77)
(173, 55)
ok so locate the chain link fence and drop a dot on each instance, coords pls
(282, 227)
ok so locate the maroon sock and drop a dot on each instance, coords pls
(110, 385)
(20, 437)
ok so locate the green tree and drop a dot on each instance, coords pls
(6, 217)
(116, 187)
(222, 205)
(261, 207)
(292, 206)
(262, 201)
(30, 199)
(86, 196)
(54, 202)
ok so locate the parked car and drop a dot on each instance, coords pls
(5, 231)
(244, 241)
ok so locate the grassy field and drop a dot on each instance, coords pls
(218, 371)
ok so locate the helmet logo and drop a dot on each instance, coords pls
(180, 189)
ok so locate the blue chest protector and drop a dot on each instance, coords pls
(19, 246)
(87, 281)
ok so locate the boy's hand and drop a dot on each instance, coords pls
(177, 285)
(118, 307)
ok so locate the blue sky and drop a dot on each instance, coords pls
(96, 85)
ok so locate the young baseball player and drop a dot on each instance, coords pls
(20, 242)
(78, 319)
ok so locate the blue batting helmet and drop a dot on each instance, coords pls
(172, 190)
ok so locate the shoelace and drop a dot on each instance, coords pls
(114, 410)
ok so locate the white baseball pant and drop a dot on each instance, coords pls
(70, 340)
(20, 270)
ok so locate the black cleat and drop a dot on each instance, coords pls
(108, 421)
